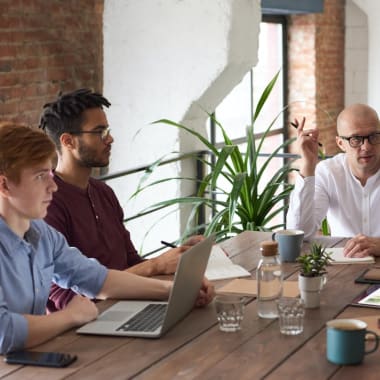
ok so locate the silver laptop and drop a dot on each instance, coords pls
(148, 319)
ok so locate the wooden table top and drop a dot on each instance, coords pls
(195, 348)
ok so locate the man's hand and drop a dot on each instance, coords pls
(206, 293)
(167, 262)
(192, 240)
(81, 309)
(307, 141)
(362, 246)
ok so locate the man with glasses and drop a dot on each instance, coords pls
(85, 210)
(345, 188)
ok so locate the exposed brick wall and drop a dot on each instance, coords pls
(316, 69)
(47, 46)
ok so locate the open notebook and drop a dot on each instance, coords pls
(221, 267)
(339, 258)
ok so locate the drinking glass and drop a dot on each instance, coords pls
(229, 311)
(291, 313)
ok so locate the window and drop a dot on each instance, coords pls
(237, 109)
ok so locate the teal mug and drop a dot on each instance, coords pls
(289, 244)
(346, 340)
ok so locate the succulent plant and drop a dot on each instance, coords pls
(314, 263)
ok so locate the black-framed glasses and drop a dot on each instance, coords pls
(356, 141)
(103, 133)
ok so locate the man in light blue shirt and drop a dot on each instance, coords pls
(27, 267)
(32, 254)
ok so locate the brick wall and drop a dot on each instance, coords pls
(47, 46)
(316, 69)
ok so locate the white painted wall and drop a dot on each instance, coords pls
(371, 9)
(169, 59)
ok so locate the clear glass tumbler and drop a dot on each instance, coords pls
(291, 313)
(229, 312)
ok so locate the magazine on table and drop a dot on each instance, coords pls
(369, 298)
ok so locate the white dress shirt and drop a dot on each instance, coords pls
(334, 192)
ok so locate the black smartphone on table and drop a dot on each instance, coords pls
(45, 359)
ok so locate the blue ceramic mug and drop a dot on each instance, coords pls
(346, 341)
(289, 244)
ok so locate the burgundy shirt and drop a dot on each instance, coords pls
(91, 220)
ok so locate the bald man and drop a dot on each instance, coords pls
(345, 188)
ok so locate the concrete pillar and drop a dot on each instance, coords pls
(170, 59)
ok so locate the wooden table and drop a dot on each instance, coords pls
(195, 348)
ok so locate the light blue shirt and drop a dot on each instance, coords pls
(27, 268)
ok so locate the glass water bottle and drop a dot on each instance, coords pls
(269, 280)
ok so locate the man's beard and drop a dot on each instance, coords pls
(88, 157)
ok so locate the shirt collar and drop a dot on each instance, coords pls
(12, 241)
(370, 180)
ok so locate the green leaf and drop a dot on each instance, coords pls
(239, 190)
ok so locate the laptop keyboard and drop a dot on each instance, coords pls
(148, 319)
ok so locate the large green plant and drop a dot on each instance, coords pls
(237, 191)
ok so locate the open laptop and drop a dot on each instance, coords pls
(149, 319)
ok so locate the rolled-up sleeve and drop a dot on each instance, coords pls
(13, 328)
(74, 270)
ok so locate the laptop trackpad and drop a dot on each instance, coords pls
(115, 316)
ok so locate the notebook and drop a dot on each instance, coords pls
(220, 266)
(339, 258)
(121, 318)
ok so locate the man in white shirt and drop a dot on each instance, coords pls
(345, 188)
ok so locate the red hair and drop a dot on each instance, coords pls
(22, 147)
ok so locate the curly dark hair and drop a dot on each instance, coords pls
(66, 113)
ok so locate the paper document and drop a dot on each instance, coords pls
(337, 255)
(220, 267)
(249, 288)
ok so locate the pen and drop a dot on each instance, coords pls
(171, 245)
(296, 126)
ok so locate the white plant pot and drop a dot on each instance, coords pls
(310, 290)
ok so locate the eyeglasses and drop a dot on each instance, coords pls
(356, 141)
(103, 134)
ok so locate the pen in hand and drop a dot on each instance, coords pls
(171, 245)
(296, 126)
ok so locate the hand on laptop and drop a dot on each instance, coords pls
(206, 293)
(81, 309)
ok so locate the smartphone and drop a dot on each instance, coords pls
(46, 359)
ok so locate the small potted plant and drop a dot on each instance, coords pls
(312, 276)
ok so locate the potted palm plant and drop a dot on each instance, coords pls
(234, 193)
(312, 274)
